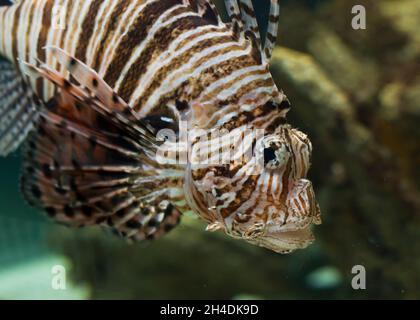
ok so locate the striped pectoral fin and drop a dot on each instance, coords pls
(78, 175)
(88, 163)
(18, 108)
(81, 176)
(88, 78)
(94, 92)
(145, 220)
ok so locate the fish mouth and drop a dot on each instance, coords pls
(295, 231)
(302, 205)
(286, 241)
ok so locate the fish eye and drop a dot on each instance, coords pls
(269, 155)
(276, 156)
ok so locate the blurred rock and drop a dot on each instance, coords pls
(324, 278)
(357, 76)
(404, 16)
(365, 161)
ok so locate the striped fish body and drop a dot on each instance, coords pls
(98, 79)
(151, 52)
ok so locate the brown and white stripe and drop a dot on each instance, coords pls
(151, 52)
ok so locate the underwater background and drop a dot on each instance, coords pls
(357, 94)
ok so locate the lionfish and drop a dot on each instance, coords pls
(87, 85)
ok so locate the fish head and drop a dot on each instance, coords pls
(266, 200)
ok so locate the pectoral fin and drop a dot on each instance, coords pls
(18, 108)
(89, 161)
